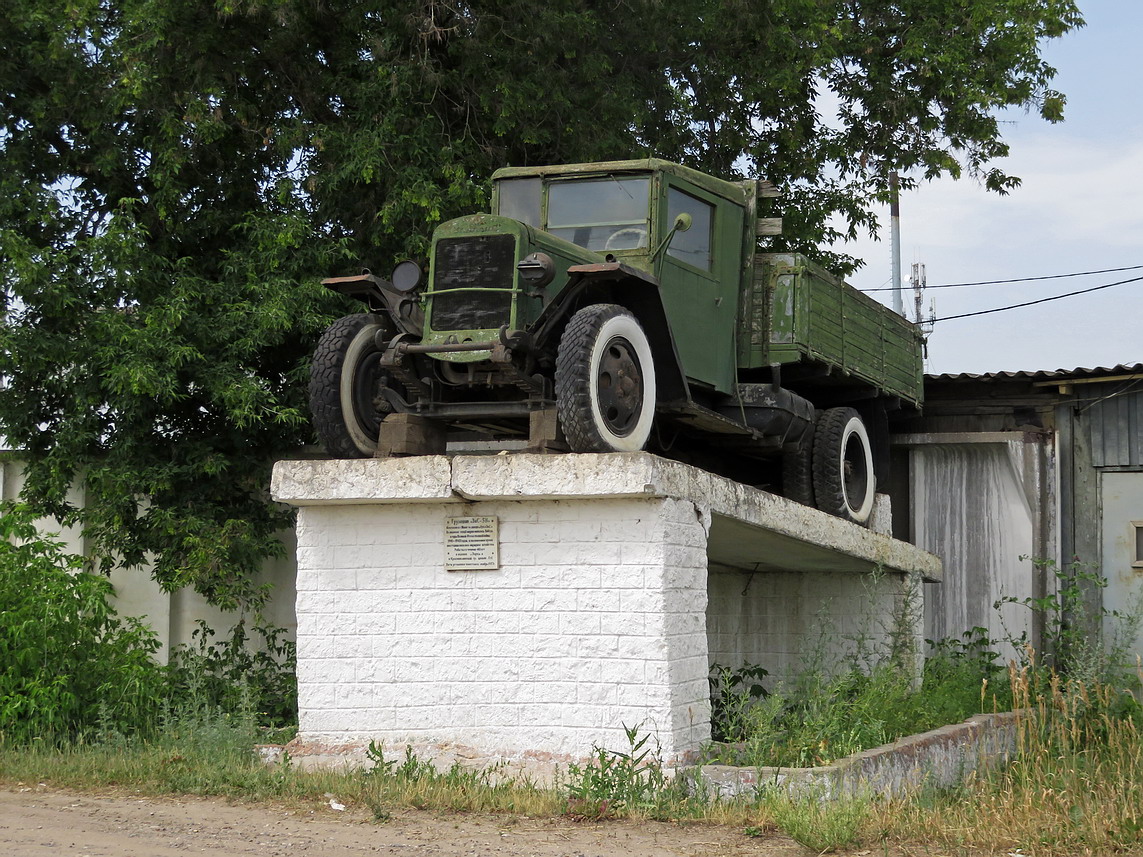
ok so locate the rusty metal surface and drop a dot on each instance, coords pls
(611, 270)
(447, 347)
(354, 278)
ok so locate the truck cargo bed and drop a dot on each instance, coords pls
(797, 312)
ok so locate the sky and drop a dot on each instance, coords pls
(1080, 208)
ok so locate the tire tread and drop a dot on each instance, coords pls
(798, 475)
(829, 492)
(325, 381)
(573, 386)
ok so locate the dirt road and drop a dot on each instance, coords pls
(38, 822)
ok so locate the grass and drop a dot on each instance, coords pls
(818, 824)
(820, 718)
(216, 760)
(1076, 787)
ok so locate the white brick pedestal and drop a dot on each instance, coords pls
(595, 619)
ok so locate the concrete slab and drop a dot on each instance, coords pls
(749, 528)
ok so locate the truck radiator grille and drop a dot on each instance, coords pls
(481, 261)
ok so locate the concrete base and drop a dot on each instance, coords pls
(592, 618)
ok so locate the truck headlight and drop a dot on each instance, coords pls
(406, 276)
(537, 270)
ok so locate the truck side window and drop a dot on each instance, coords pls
(520, 200)
(692, 246)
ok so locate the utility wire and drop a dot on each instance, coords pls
(1016, 280)
(1040, 301)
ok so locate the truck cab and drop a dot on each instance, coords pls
(628, 211)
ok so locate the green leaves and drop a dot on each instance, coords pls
(176, 177)
(67, 662)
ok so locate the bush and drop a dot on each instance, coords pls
(68, 663)
(228, 676)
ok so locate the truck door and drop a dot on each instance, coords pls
(699, 275)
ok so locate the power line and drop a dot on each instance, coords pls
(1017, 279)
(1040, 301)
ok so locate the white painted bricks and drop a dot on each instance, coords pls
(593, 622)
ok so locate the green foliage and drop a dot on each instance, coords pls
(233, 676)
(175, 177)
(1075, 643)
(617, 783)
(68, 664)
(191, 752)
(823, 718)
(964, 677)
(732, 694)
(831, 709)
(70, 667)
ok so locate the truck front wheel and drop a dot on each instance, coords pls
(346, 384)
(605, 381)
(844, 481)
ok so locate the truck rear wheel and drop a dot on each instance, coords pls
(798, 474)
(844, 482)
(605, 381)
(346, 383)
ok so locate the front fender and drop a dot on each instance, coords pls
(633, 289)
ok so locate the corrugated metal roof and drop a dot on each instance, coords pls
(1043, 374)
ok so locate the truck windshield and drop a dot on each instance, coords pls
(601, 214)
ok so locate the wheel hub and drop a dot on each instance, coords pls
(620, 385)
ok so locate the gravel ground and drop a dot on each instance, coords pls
(37, 822)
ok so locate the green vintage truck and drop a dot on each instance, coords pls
(623, 306)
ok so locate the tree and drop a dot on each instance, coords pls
(176, 177)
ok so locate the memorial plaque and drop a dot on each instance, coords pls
(472, 544)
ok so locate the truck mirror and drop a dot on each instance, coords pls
(682, 223)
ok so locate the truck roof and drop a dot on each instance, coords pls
(733, 191)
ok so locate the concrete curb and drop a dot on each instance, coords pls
(942, 757)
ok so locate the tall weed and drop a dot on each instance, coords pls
(874, 697)
(1075, 785)
(233, 676)
(617, 783)
(1075, 622)
(71, 667)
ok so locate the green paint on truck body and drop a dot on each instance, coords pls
(731, 311)
(525, 303)
(799, 312)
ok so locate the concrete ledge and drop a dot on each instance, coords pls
(534, 766)
(349, 481)
(746, 523)
(943, 757)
